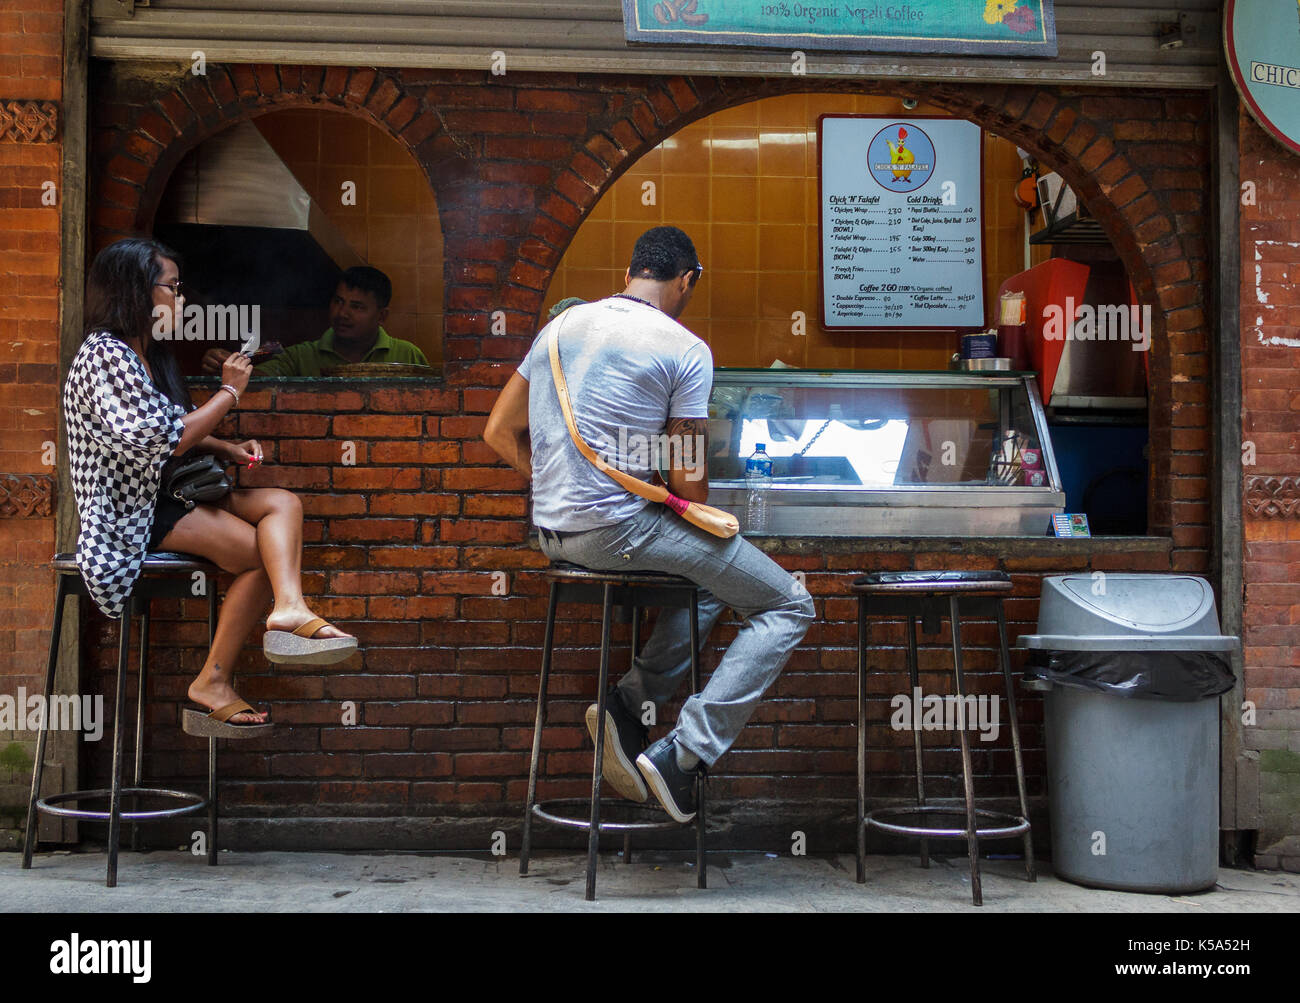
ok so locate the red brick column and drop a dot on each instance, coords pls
(1270, 432)
(31, 45)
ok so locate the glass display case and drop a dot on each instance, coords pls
(865, 453)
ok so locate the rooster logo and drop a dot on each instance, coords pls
(900, 155)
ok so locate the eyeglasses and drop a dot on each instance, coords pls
(695, 273)
(175, 287)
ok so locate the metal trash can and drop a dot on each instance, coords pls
(1131, 666)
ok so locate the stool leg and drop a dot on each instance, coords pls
(537, 729)
(861, 819)
(212, 802)
(38, 768)
(913, 674)
(972, 841)
(142, 686)
(213, 810)
(115, 800)
(598, 764)
(636, 645)
(701, 863)
(1005, 655)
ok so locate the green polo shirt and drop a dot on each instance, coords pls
(311, 358)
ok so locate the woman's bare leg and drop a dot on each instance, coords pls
(277, 516)
(230, 543)
(245, 602)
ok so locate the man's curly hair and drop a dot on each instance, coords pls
(663, 253)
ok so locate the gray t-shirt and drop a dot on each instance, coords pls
(630, 368)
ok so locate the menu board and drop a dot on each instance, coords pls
(902, 242)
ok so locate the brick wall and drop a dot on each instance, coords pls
(1270, 426)
(421, 549)
(31, 45)
(405, 542)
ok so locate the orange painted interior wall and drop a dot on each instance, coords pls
(394, 225)
(743, 184)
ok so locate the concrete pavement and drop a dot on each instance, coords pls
(657, 882)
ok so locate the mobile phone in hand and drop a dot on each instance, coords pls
(263, 352)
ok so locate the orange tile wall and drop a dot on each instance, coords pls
(394, 225)
(743, 184)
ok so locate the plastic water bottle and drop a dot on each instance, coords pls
(758, 481)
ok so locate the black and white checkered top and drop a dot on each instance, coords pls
(121, 430)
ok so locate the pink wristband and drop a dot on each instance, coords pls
(678, 505)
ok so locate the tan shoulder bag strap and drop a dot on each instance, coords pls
(713, 520)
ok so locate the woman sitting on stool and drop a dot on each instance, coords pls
(127, 413)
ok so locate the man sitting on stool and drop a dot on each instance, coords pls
(634, 372)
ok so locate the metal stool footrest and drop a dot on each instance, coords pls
(546, 812)
(49, 805)
(1008, 825)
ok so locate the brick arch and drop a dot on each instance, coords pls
(158, 134)
(1151, 221)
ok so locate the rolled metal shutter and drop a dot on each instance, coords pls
(587, 36)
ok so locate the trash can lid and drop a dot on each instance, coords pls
(1116, 612)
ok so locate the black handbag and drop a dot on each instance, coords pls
(196, 479)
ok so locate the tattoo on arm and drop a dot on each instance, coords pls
(688, 438)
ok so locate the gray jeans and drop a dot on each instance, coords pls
(775, 610)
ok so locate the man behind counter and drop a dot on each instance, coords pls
(357, 311)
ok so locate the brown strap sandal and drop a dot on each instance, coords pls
(300, 646)
(217, 724)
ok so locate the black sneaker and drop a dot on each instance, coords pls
(625, 737)
(674, 787)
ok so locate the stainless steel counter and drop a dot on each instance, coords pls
(869, 453)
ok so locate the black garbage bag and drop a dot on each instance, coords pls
(1143, 675)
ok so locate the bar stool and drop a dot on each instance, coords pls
(632, 591)
(931, 595)
(164, 574)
